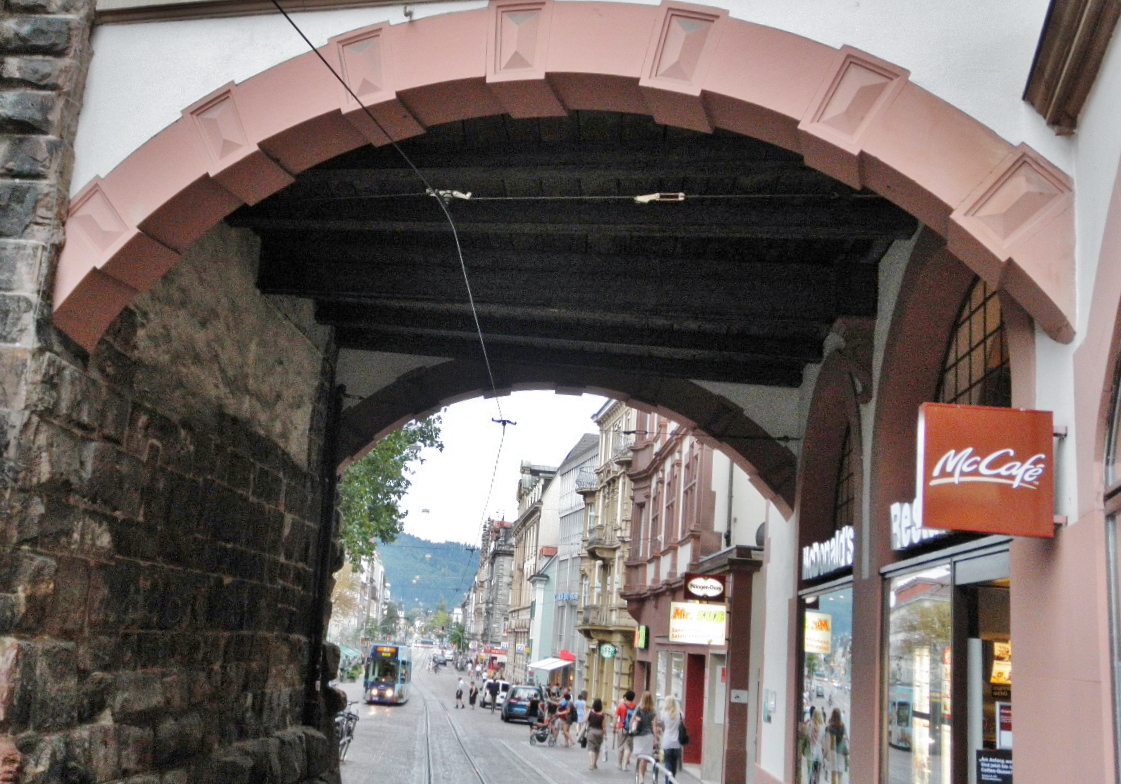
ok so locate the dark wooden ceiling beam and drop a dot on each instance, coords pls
(711, 290)
(765, 217)
(748, 370)
(572, 334)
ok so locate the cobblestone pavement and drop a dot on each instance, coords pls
(389, 745)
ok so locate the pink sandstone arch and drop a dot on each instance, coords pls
(1004, 211)
(716, 421)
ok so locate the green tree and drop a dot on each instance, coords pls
(457, 637)
(389, 621)
(372, 488)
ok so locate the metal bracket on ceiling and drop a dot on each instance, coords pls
(446, 195)
(659, 197)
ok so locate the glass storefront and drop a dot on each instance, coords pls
(823, 730)
(949, 674)
(920, 662)
(671, 676)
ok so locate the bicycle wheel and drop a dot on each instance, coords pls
(344, 746)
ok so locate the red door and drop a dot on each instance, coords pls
(694, 706)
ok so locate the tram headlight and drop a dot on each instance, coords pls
(389, 692)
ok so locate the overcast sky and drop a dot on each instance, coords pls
(452, 485)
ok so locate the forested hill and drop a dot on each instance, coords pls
(448, 573)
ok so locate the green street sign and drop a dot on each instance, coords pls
(608, 651)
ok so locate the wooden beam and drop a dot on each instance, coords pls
(681, 289)
(669, 341)
(765, 217)
(712, 367)
(1068, 57)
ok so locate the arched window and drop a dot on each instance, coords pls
(976, 369)
(844, 498)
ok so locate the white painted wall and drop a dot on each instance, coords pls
(749, 509)
(975, 55)
(781, 562)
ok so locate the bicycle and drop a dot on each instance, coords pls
(345, 723)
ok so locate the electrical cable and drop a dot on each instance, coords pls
(439, 196)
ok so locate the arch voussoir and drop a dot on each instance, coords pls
(1005, 211)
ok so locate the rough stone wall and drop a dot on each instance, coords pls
(159, 500)
(159, 579)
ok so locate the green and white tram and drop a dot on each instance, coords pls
(389, 669)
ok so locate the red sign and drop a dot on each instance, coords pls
(986, 470)
(567, 655)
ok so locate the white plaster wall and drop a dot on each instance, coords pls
(366, 372)
(781, 562)
(975, 55)
(749, 508)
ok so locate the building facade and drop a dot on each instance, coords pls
(604, 620)
(536, 533)
(135, 474)
(567, 643)
(697, 518)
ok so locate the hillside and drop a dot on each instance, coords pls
(447, 573)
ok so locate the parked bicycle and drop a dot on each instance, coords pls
(345, 723)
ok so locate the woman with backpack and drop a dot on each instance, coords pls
(670, 720)
(644, 731)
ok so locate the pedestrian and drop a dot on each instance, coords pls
(460, 687)
(492, 691)
(473, 694)
(623, 740)
(817, 731)
(581, 705)
(835, 749)
(594, 732)
(564, 716)
(644, 733)
(670, 720)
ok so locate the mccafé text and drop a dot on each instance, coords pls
(999, 467)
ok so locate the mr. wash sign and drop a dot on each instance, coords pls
(987, 470)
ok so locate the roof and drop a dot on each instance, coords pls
(588, 443)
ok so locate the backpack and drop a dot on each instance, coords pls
(628, 719)
(682, 733)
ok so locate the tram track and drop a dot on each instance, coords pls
(435, 766)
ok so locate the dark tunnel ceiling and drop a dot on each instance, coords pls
(724, 289)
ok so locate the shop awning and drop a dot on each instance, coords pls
(549, 664)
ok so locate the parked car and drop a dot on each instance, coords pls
(517, 702)
(484, 695)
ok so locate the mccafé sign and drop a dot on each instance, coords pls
(986, 470)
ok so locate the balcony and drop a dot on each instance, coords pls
(586, 481)
(621, 445)
(603, 542)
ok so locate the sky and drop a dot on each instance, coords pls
(448, 497)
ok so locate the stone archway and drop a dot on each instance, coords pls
(717, 421)
(1003, 210)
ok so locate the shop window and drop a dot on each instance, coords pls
(918, 725)
(948, 712)
(976, 370)
(823, 729)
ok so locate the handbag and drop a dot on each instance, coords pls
(682, 733)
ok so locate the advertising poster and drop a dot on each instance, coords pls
(819, 632)
(697, 624)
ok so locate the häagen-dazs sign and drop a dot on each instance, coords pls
(705, 587)
(986, 470)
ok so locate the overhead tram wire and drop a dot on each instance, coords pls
(440, 196)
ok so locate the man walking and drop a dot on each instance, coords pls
(492, 690)
(459, 687)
